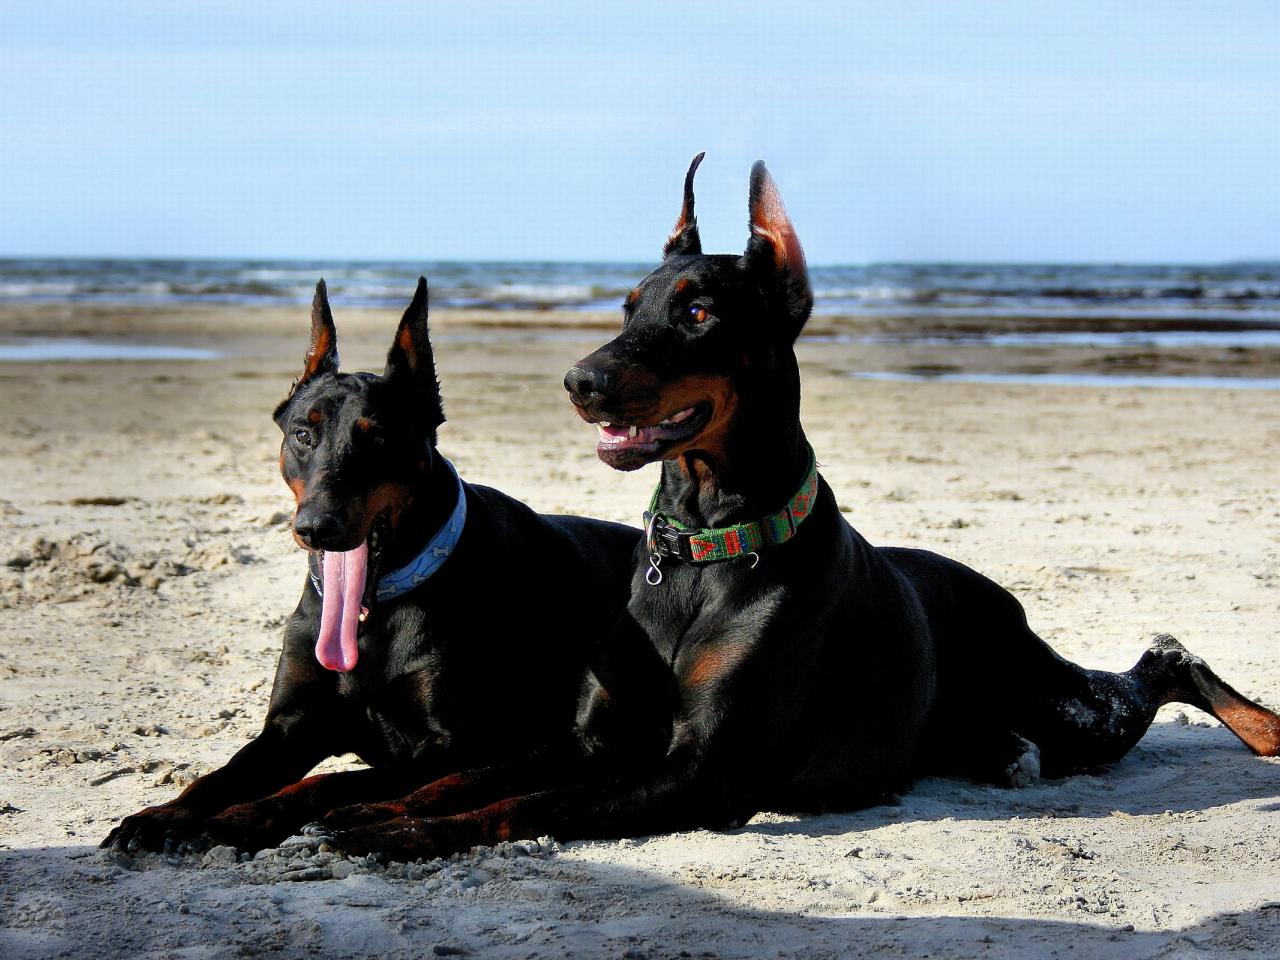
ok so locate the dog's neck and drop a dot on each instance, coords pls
(753, 469)
(434, 498)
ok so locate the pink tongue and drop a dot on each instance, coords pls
(344, 575)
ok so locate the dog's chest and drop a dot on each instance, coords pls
(397, 691)
(695, 606)
(399, 718)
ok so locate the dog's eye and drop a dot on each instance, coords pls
(303, 437)
(698, 314)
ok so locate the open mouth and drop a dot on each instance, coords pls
(620, 444)
(350, 586)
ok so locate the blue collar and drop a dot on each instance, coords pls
(432, 558)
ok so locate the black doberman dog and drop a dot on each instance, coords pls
(771, 658)
(412, 645)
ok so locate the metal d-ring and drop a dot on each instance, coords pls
(755, 559)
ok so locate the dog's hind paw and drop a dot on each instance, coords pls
(1025, 769)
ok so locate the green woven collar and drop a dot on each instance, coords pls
(670, 538)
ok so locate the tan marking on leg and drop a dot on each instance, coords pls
(1257, 726)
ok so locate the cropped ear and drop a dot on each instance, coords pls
(684, 239)
(411, 363)
(774, 248)
(322, 352)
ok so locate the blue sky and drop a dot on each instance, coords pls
(948, 130)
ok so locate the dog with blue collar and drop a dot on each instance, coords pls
(411, 645)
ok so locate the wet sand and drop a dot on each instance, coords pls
(917, 346)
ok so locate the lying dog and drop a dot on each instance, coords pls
(771, 658)
(413, 645)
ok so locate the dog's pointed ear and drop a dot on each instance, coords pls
(411, 362)
(774, 247)
(684, 239)
(322, 351)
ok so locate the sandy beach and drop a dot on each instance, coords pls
(148, 568)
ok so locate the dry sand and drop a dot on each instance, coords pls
(147, 571)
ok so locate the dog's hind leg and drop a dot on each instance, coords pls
(998, 680)
(1182, 677)
(1096, 717)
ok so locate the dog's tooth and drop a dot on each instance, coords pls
(675, 418)
(605, 423)
(635, 432)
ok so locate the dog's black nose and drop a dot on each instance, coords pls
(584, 383)
(317, 529)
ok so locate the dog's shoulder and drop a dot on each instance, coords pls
(500, 515)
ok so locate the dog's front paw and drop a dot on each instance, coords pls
(158, 829)
(362, 815)
(249, 827)
(403, 839)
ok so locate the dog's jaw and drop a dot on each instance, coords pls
(692, 413)
(629, 446)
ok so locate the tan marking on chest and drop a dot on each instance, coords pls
(712, 663)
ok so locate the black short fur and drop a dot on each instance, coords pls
(480, 664)
(827, 675)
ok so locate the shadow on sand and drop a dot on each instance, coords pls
(72, 902)
(65, 902)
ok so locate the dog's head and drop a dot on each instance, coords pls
(356, 445)
(693, 332)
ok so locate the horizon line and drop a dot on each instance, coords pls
(561, 261)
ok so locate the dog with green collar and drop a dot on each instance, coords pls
(817, 671)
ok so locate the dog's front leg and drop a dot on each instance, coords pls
(571, 761)
(681, 798)
(278, 756)
(257, 824)
(427, 784)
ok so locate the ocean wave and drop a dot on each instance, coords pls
(1251, 289)
(17, 291)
